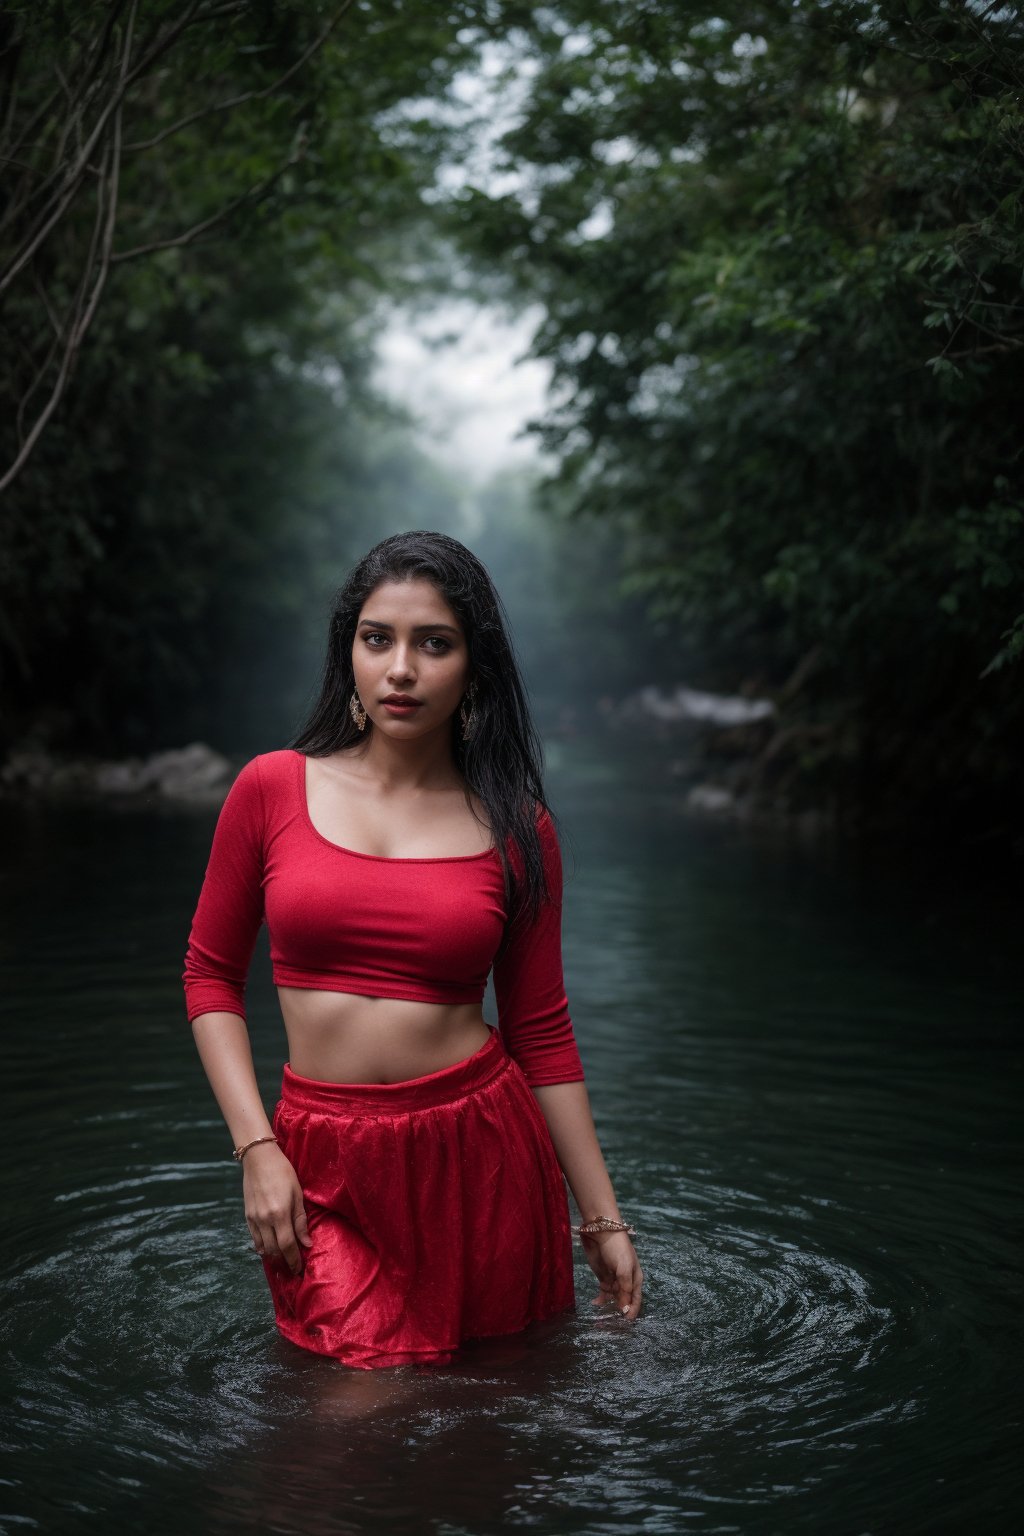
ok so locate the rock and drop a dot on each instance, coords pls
(681, 707)
(195, 772)
(711, 799)
(25, 770)
(124, 778)
(692, 704)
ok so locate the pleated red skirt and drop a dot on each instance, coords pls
(437, 1209)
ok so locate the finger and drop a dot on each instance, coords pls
(257, 1237)
(606, 1292)
(270, 1248)
(622, 1288)
(629, 1293)
(288, 1247)
(300, 1224)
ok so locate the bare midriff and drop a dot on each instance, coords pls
(337, 1037)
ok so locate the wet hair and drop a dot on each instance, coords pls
(501, 762)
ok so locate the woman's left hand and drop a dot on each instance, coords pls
(613, 1259)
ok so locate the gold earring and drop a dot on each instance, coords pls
(357, 711)
(468, 716)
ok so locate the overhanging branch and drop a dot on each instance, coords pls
(237, 101)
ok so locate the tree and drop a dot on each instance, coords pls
(779, 248)
(256, 184)
(65, 156)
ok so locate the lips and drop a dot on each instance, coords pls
(401, 698)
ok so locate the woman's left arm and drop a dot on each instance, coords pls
(566, 1108)
(533, 1014)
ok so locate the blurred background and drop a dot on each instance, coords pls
(281, 278)
(703, 325)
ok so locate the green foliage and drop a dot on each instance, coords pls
(780, 249)
(218, 457)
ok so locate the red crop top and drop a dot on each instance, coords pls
(428, 929)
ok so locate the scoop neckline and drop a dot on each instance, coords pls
(376, 858)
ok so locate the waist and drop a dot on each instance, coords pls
(452, 1082)
(356, 1038)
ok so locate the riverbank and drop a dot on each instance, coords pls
(195, 774)
(728, 759)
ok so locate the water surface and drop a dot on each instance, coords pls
(806, 1077)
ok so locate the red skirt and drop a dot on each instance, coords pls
(437, 1209)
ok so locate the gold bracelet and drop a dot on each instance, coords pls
(240, 1152)
(604, 1224)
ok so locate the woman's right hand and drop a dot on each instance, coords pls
(274, 1209)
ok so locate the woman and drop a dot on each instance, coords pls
(409, 1193)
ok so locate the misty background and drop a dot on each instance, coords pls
(281, 279)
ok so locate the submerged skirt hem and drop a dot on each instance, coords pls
(363, 1360)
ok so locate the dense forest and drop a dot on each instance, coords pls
(779, 254)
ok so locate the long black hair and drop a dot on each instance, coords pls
(501, 761)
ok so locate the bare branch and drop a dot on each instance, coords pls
(1011, 344)
(80, 320)
(106, 254)
(15, 51)
(62, 199)
(23, 165)
(253, 195)
(37, 117)
(41, 373)
(233, 8)
(64, 372)
(237, 101)
(45, 299)
(64, 184)
(63, 83)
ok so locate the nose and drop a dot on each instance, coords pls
(400, 668)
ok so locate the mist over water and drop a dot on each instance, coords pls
(806, 1077)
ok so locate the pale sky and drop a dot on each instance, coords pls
(468, 393)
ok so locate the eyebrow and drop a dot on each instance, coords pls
(417, 629)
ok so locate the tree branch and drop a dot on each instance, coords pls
(64, 372)
(80, 320)
(1012, 345)
(62, 199)
(189, 235)
(61, 187)
(45, 299)
(83, 72)
(237, 101)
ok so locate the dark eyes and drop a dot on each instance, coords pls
(436, 644)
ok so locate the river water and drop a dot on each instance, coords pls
(806, 1076)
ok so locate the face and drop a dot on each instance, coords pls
(409, 642)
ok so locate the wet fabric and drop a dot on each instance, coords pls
(437, 1208)
(416, 929)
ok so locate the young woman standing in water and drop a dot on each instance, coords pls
(408, 1194)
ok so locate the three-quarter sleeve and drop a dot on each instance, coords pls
(230, 909)
(529, 988)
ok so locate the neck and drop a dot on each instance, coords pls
(426, 763)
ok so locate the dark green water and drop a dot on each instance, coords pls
(806, 1078)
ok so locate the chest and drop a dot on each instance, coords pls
(329, 907)
(430, 824)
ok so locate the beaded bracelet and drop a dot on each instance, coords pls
(604, 1224)
(240, 1152)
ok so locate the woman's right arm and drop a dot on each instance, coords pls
(274, 1209)
(220, 946)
